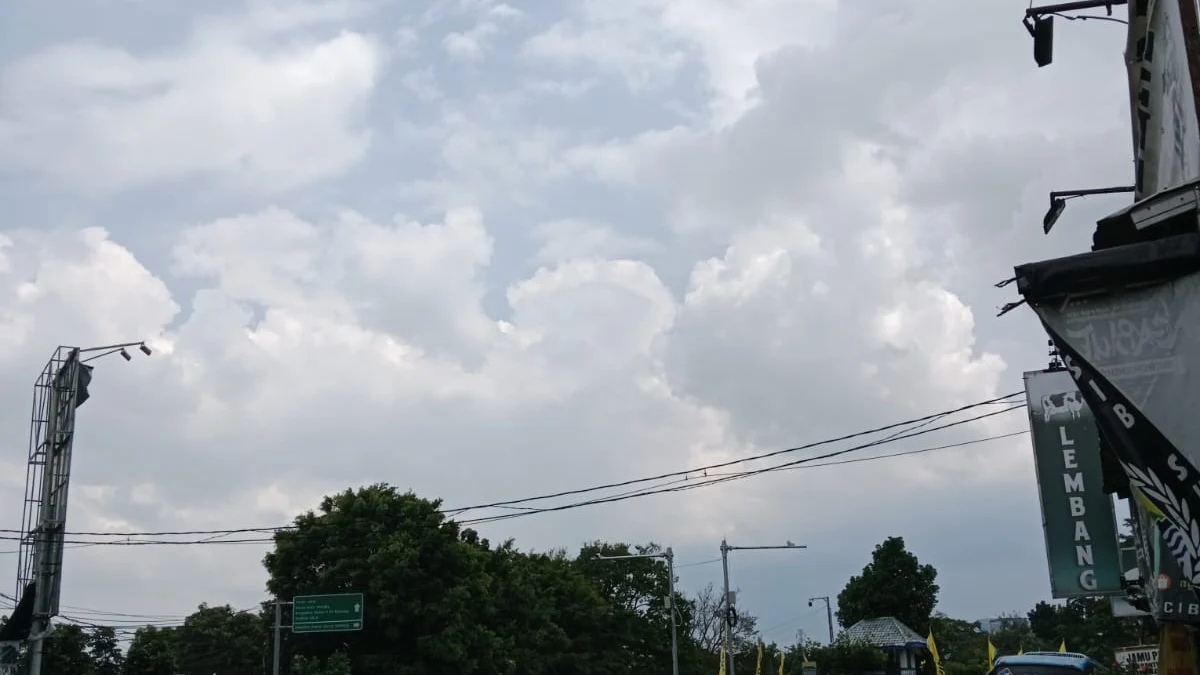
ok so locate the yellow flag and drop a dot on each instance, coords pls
(1062, 647)
(758, 666)
(782, 655)
(722, 670)
(937, 659)
(991, 654)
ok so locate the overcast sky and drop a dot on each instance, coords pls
(486, 251)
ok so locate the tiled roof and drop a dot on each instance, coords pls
(885, 631)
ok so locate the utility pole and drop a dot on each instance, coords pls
(828, 613)
(669, 555)
(278, 634)
(730, 610)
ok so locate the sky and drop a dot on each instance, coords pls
(486, 251)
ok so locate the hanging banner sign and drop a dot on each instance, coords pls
(1077, 516)
(1127, 336)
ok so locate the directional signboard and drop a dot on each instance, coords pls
(327, 613)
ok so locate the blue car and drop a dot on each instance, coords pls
(1045, 663)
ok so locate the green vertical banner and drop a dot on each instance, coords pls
(1078, 518)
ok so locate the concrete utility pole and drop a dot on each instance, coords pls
(828, 613)
(669, 555)
(730, 611)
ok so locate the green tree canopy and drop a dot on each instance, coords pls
(66, 651)
(220, 640)
(427, 591)
(844, 657)
(151, 652)
(894, 584)
(105, 651)
(337, 663)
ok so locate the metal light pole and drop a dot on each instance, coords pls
(730, 612)
(59, 390)
(828, 613)
(669, 555)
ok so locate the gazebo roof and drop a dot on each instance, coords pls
(885, 632)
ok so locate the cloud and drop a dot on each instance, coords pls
(563, 240)
(579, 284)
(246, 101)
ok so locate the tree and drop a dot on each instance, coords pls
(220, 640)
(1014, 635)
(709, 624)
(1087, 625)
(428, 606)
(438, 598)
(335, 664)
(962, 645)
(66, 651)
(844, 657)
(637, 590)
(105, 651)
(893, 584)
(152, 652)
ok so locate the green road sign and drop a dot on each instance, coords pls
(1078, 518)
(327, 613)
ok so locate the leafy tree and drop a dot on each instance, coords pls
(638, 591)
(844, 657)
(1014, 636)
(1087, 625)
(220, 640)
(441, 599)
(66, 651)
(894, 584)
(105, 651)
(335, 664)
(152, 652)
(427, 591)
(551, 618)
(962, 645)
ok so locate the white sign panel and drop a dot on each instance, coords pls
(1144, 657)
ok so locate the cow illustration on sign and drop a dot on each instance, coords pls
(1067, 403)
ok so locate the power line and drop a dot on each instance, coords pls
(800, 463)
(685, 476)
(806, 463)
(674, 486)
(732, 462)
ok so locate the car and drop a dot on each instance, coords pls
(1045, 663)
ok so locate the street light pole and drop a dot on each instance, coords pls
(828, 613)
(730, 611)
(669, 555)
